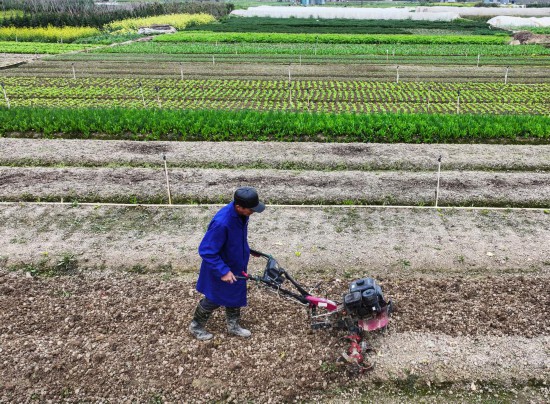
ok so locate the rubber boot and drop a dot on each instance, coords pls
(196, 328)
(233, 315)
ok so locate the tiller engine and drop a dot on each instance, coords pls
(363, 309)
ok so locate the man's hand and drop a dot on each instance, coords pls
(229, 277)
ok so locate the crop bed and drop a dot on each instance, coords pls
(207, 180)
(254, 68)
(301, 95)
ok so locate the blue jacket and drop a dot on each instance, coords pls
(224, 248)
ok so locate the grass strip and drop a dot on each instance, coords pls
(243, 125)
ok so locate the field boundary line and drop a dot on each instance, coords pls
(197, 205)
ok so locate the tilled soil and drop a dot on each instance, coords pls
(106, 336)
(276, 155)
(90, 65)
(143, 185)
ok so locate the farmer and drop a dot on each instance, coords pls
(225, 253)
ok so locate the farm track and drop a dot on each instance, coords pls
(271, 71)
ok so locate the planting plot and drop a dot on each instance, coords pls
(170, 66)
(313, 96)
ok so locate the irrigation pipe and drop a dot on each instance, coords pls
(196, 205)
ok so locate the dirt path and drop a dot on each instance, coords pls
(129, 332)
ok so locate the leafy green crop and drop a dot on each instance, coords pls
(157, 124)
(204, 36)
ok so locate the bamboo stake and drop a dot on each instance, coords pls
(181, 71)
(397, 75)
(478, 55)
(74, 73)
(438, 176)
(167, 180)
(506, 75)
(158, 96)
(5, 95)
(141, 91)
(289, 78)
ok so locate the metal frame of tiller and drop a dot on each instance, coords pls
(336, 316)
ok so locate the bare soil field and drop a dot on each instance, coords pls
(276, 155)
(273, 71)
(144, 185)
(11, 60)
(95, 299)
(297, 173)
(111, 337)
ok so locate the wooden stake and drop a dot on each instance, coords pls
(158, 97)
(167, 180)
(74, 73)
(289, 78)
(141, 91)
(397, 75)
(506, 75)
(478, 55)
(5, 95)
(438, 176)
(181, 71)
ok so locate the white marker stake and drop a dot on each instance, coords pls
(438, 176)
(289, 78)
(181, 71)
(158, 97)
(141, 91)
(458, 103)
(74, 73)
(506, 75)
(478, 55)
(213, 60)
(397, 75)
(167, 180)
(5, 95)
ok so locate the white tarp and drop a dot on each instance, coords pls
(515, 22)
(355, 13)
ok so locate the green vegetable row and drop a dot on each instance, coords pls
(390, 50)
(157, 124)
(39, 48)
(205, 36)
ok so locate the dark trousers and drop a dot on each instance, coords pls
(210, 306)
